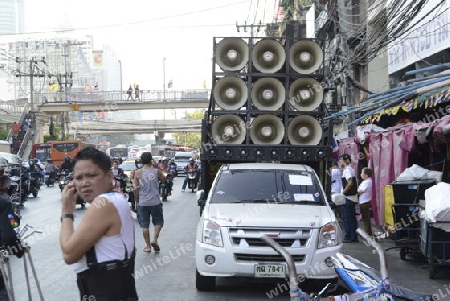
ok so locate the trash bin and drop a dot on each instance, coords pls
(410, 192)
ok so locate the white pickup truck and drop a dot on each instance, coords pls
(247, 200)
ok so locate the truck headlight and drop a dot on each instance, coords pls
(212, 234)
(329, 236)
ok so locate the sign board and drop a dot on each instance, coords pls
(431, 35)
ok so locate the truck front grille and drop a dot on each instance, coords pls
(251, 237)
(265, 258)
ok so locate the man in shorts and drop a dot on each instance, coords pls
(149, 205)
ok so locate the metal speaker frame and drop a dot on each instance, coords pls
(304, 130)
(228, 129)
(230, 93)
(268, 94)
(305, 94)
(305, 56)
(232, 54)
(267, 129)
(268, 56)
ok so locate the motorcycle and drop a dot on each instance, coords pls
(66, 179)
(356, 280)
(20, 185)
(50, 178)
(173, 170)
(192, 179)
(35, 185)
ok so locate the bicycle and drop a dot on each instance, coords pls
(22, 235)
(361, 281)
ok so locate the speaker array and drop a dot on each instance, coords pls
(273, 85)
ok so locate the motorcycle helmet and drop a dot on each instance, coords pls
(67, 159)
(3, 163)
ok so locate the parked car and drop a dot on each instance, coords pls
(246, 200)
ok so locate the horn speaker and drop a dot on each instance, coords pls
(232, 54)
(267, 129)
(305, 56)
(305, 94)
(305, 130)
(228, 129)
(268, 94)
(268, 56)
(230, 93)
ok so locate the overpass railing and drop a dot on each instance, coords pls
(119, 96)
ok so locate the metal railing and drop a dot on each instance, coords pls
(119, 96)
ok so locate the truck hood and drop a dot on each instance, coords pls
(269, 215)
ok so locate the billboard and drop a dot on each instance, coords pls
(429, 36)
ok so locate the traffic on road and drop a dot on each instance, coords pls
(170, 274)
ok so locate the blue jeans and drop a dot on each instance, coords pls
(350, 223)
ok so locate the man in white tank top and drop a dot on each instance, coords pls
(105, 235)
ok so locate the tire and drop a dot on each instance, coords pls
(432, 269)
(205, 283)
(403, 253)
(35, 193)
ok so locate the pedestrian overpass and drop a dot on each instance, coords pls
(104, 101)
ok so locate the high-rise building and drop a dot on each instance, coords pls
(11, 16)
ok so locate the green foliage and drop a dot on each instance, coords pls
(3, 134)
(188, 139)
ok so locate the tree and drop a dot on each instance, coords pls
(3, 134)
(190, 139)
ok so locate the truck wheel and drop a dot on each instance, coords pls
(204, 283)
(432, 268)
(403, 253)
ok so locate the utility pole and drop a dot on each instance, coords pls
(251, 26)
(33, 71)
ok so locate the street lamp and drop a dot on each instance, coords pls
(164, 86)
(120, 70)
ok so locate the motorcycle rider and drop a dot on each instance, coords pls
(138, 165)
(67, 164)
(50, 169)
(5, 181)
(164, 166)
(8, 238)
(190, 166)
(119, 175)
(173, 167)
(35, 172)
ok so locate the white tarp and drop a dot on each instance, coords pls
(415, 172)
(437, 208)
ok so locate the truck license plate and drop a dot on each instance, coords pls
(273, 270)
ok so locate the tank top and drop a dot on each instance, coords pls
(113, 247)
(149, 188)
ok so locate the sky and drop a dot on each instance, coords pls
(144, 32)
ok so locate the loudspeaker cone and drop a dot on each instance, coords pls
(232, 54)
(305, 94)
(268, 94)
(230, 93)
(304, 130)
(268, 56)
(228, 129)
(305, 56)
(266, 129)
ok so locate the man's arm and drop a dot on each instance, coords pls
(137, 175)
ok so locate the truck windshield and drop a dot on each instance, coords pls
(280, 186)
